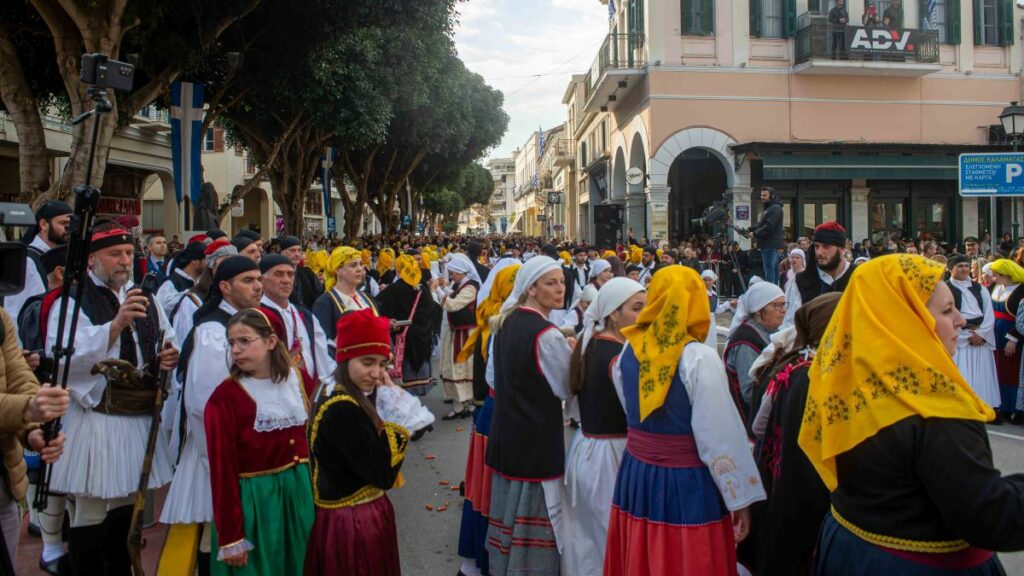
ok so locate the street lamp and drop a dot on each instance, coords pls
(1012, 119)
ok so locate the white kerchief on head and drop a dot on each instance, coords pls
(757, 297)
(741, 314)
(612, 295)
(462, 264)
(589, 293)
(598, 266)
(528, 275)
(798, 252)
(709, 274)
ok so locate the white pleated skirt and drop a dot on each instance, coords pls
(591, 468)
(978, 366)
(189, 500)
(103, 455)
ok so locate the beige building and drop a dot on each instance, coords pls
(689, 99)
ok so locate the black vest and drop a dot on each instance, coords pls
(466, 317)
(180, 282)
(480, 388)
(526, 434)
(600, 410)
(810, 285)
(218, 315)
(100, 305)
(958, 296)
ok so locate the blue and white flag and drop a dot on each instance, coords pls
(187, 139)
(542, 135)
(611, 9)
(928, 21)
(327, 160)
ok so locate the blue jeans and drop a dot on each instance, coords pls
(770, 260)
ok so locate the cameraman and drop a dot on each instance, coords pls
(768, 232)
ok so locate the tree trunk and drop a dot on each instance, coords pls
(20, 102)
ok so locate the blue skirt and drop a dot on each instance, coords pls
(842, 553)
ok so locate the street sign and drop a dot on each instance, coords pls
(406, 220)
(559, 227)
(332, 226)
(238, 208)
(634, 176)
(554, 197)
(541, 217)
(742, 211)
(1000, 174)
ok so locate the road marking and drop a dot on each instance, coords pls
(1005, 435)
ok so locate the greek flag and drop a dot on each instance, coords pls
(928, 22)
(542, 135)
(611, 9)
(326, 162)
(187, 139)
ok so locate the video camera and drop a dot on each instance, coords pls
(716, 214)
(104, 72)
(13, 254)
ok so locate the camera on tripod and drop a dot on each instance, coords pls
(104, 72)
(716, 214)
(13, 254)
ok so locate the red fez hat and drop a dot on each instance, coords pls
(107, 237)
(128, 220)
(216, 245)
(363, 333)
(197, 238)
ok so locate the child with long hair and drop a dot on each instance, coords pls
(256, 440)
(355, 457)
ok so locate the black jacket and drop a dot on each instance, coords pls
(768, 230)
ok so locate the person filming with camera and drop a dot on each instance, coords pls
(768, 232)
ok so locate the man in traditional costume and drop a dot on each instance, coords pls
(206, 362)
(53, 220)
(305, 338)
(307, 287)
(827, 271)
(978, 337)
(186, 270)
(111, 409)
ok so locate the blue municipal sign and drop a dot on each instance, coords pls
(331, 224)
(992, 174)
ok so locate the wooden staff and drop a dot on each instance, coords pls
(135, 531)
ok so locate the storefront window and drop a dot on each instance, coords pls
(888, 218)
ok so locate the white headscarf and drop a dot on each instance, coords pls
(528, 275)
(589, 293)
(462, 264)
(799, 252)
(612, 295)
(740, 313)
(500, 265)
(757, 297)
(709, 274)
(598, 266)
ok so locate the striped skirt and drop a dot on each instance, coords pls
(476, 509)
(520, 538)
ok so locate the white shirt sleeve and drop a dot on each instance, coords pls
(987, 330)
(617, 378)
(34, 285)
(489, 371)
(793, 302)
(208, 366)
(721, 438)
(167, 296)
(324, 361)
(553, 355)
(465, 296)
(90, 348)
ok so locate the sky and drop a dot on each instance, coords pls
(529, 49)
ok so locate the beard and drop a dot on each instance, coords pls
(832, 263)
(114, 278)
(56, 239)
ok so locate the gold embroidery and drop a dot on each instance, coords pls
(364, 495)
(274, 470)
(936, 547)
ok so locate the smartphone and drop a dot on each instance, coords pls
(149, 284)
(402, 323)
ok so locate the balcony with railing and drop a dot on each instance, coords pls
(565, 152)
(836, 50)
(152, 118)
(619, 67)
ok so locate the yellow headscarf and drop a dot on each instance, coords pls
(500, 290)
(677, 313)
(880, 362)
(608, 254)
(341, 256)
(424, 259)
(636, 254)
(366, 256)
(566, 257)
(409, 270)
(385, 261)
(1009, 268)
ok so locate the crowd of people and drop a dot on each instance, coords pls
(840, 429)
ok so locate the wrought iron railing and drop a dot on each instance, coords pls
(819, 39)
(618, 51)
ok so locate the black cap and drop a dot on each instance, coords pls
(241, 242)
(290, 242)
(250, 234)
(957, 259)
(233, 266)
(191, 253)
(273, 260)
(971, 240)
(54, 257)
(52, 209)
(651, 250)
(549, 250)
(215, 233)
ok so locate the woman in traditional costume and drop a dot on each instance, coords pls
(528, 368)
(256, 441)
(764, 307)
(477, 507)
(459, 304)
(601, 272)
(787, 530)
(386, 267)
(407, 299)
(687, 466)
(344, 275)
(355, 457)
(592, 463)
(1007, 295)
(898, 437)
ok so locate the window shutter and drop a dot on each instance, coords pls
(218, 139)
(953, 22)
(755, 18)
(1006, 23)
(708, 13)
(979, 38)
(788, 18)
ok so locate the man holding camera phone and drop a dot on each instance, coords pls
(768, 232)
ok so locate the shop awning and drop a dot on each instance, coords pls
(874, 167)
(515, 221)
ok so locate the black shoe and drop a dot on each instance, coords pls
(998, 420)
(467, 413)
(453, 414)
(34, 531)
(574, 423)
(447, 401)
(1017, 418)
(420, 433)
(54, 566)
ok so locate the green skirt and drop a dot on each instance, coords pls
(278, 513)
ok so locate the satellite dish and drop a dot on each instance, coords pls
(634, 176)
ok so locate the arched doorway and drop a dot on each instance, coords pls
(696, 179)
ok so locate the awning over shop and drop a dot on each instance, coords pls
(515, 221)
(873, 167)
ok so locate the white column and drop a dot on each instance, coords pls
(970, 217)
(859, 223)
(741, 206)
(657, 212)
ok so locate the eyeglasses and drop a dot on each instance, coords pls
(778, 305)
(242, 343)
